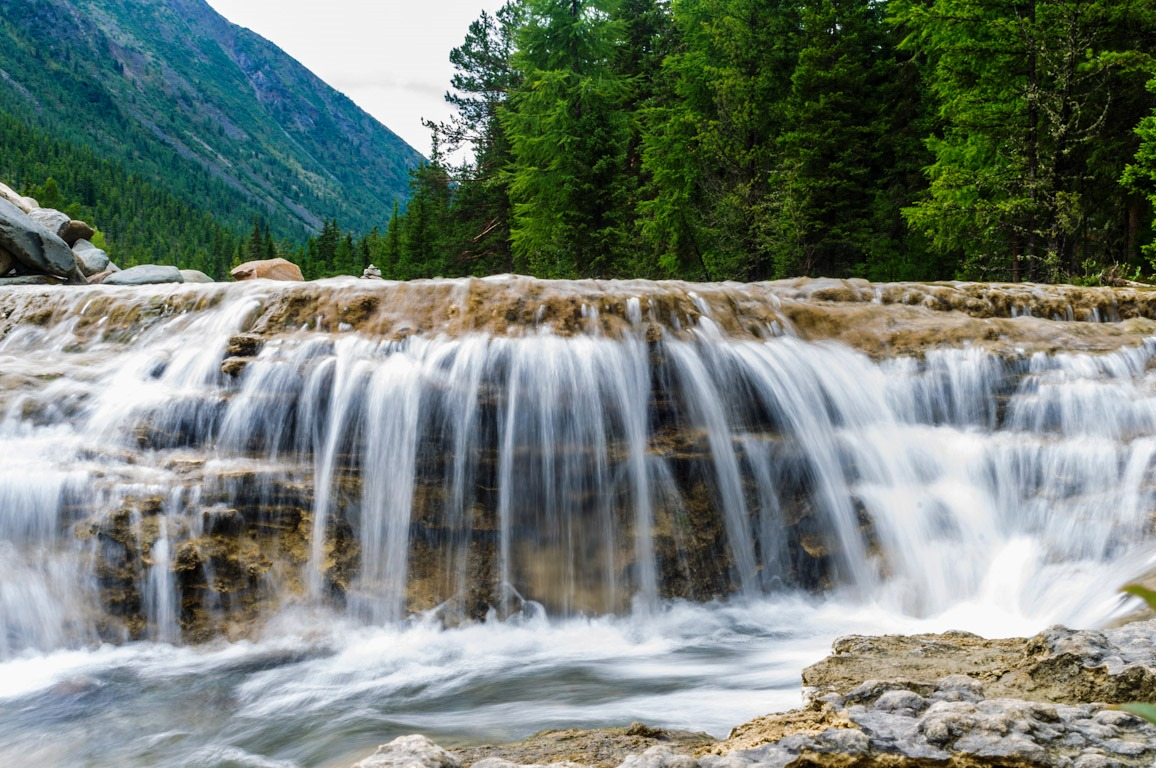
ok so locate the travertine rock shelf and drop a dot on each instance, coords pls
(881, 319)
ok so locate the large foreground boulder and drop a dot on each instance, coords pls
(34, 247)
(145, 274)
(268, 269)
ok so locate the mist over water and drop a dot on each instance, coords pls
(490, 534)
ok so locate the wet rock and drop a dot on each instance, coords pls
(244, 345)
(223, 522)
(89, 258)
(35, 247)
(956, 699)
(235, 366)
(268, 269)
(145, 274)
(410, 752)
(7, 262)
(660, 756)
(1058, 665)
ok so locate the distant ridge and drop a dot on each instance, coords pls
(172, 90)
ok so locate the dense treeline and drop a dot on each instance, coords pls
(751, 139)
(139, 221)
(730, 139)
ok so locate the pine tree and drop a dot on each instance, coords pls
(712, 149)
(422, 230)
(820, 217)
(569, 133)
(1024, 88)
(478, 221)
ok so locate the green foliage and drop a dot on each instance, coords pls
(1140, 175)
(699, 139)
(1142, 592)
(204, 111)
(568, 133)
(1145, 711)
(1021, 186)
(748, 139)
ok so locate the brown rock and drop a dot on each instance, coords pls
(1058, 665)
(99, 277)
(268, 269)
(75, 230)
(7, 262)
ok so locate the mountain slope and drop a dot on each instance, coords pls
(174, 90)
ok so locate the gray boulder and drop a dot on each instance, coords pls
(51, 219)
(58, 223)
(196, 276)
(34, 246)
(89, 258)
(145, 274)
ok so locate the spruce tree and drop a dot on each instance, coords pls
(569, 133)
(1024, 88)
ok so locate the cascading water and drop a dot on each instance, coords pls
(305, 519)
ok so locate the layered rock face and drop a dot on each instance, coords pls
(485, 447)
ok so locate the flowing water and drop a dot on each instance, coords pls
(650, 511)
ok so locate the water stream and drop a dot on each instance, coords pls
(345, 534)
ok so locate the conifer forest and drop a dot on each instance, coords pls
(761, 139)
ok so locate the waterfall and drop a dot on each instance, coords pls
(189, 462)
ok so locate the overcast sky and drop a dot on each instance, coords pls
(390, 56)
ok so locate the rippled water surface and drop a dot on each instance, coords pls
(323, 693)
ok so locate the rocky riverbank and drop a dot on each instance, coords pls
(954, 700)
(44, 246)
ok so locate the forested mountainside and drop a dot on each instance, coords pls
(205, 118)
(743, 139)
